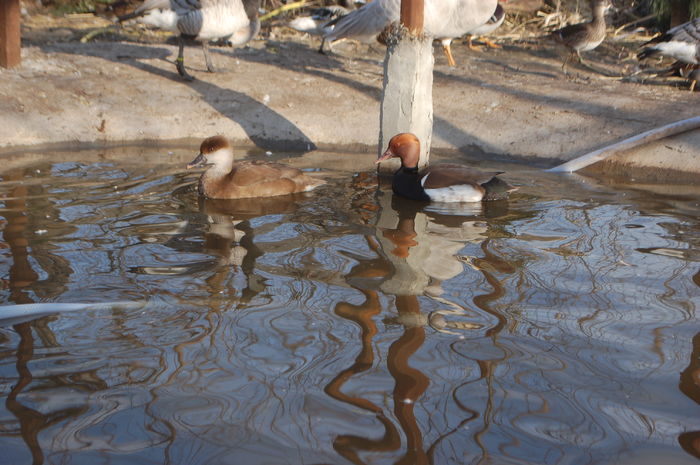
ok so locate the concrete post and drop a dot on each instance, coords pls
(407, 101)
(9, 33)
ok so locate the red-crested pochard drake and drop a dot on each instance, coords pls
(225, 179)
(234, 21)
(583, 37)
(445, 182)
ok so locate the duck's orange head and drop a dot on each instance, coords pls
(405, 146)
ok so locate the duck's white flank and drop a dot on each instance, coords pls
(459, 193)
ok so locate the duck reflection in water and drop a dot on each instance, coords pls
(226, 226)
(231, 237)
(424, 249)
(416, 251)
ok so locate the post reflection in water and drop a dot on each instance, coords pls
(21, 284)
(22, 276)
(417, 252)
(15, 234)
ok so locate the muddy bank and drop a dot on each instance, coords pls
(280, 94)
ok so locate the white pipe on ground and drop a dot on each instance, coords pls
(640, 139)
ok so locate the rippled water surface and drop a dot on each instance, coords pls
(344, 325)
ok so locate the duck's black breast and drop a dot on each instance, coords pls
(406, 183)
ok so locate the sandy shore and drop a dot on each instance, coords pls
(279, 93)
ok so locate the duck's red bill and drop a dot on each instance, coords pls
(385, 156)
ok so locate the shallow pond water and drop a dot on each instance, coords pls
(344, 325)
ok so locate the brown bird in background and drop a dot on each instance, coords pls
(584, 37)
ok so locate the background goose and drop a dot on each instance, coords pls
(443, 19)
(583, 37)
(682, 43)
(490, 25)
(235, 21)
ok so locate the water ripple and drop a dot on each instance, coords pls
(345, 325)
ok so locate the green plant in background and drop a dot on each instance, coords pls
(663, 8)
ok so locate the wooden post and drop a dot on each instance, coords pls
(9, 34)
(407, 98)
(412, 15)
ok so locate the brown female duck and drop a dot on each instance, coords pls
(225, 179)
(583, 37)
(445, 182)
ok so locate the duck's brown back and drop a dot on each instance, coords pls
(452, 174)
(250, 179)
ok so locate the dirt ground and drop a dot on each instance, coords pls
(280, 94)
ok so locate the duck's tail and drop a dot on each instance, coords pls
(497, 189)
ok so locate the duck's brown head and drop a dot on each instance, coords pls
(405, 146)
(216, 151)
(600, 7)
